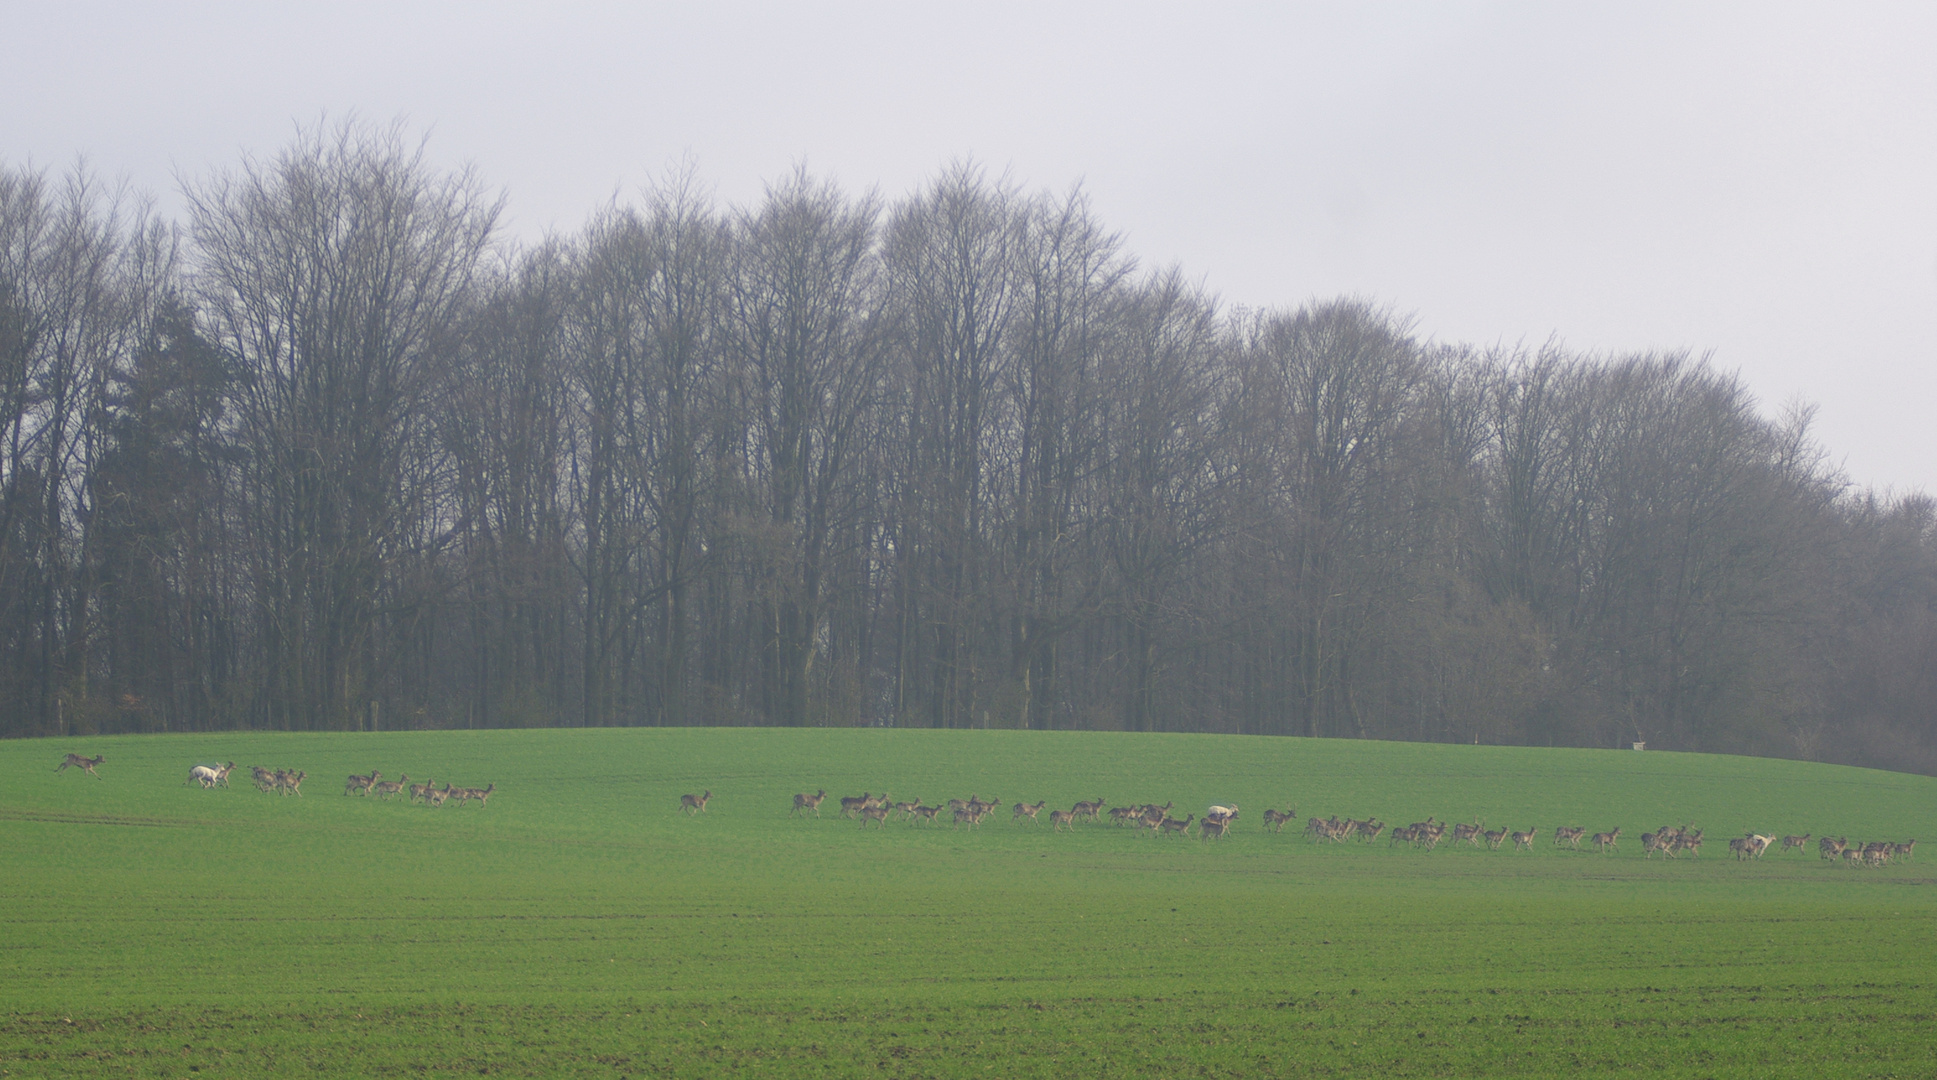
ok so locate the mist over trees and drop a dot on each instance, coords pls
(331, 454)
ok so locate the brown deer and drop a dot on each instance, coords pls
(1494, 837)
(1795, 843)
(1089, 808)
(1024, 810)
(85, 764)
(1830, 849)
(925, 813)
(1569, 836)
(852, 804)
(1523, 841)
(1172, 825)
(421, 792)
(1904, 850)
(291, 782)
(809, 802)
(694, 804)
(361, 784)
(1212, 828)
(383, 789)
(1468, 833)
(877, 814)
(1607, 841)
(1060, 818)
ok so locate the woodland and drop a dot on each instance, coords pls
(334, 453)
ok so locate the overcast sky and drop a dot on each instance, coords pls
(1757, 182)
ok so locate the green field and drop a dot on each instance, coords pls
(581, 925)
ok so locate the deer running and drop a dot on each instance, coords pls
(84, 764)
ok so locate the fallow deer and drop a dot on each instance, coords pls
(383, 789)
(210, 775)
(1795, 843)
(1494, 837)
(1607, 841)
(84, 764)
(1523, 841)
(1025, 810)
(809, 802)
(1060, 818)
(1570, 836)
(694, 804)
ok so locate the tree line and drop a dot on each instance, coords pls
(331, 454)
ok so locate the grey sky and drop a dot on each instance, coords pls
(1757, 181)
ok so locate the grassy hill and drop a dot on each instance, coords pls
(580, 924)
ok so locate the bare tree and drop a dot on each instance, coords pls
(645, 370)
(953, 258)
(1327, 391)
(334, 275)
(1072, 286)
(81, 276)
(804, 333)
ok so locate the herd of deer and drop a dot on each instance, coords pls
(285, 781)
(1428, 833)
(427, 792)
(874, 809)
(290, 782)
(1874, 853)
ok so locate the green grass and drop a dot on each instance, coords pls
(580, 925)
